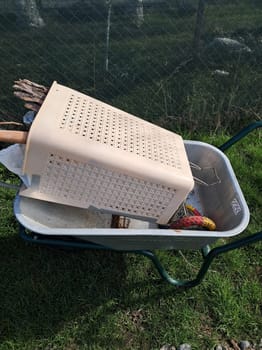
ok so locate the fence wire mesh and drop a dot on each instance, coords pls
(193, 64)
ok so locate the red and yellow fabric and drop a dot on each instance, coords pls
(192, 221)
(195, 220)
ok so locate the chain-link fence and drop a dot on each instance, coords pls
(193, 64)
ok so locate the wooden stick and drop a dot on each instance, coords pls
(11, 123)
(29, 98)
(12, 136)
(32, 106)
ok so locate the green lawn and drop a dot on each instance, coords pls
(53, 299)
(73, 300)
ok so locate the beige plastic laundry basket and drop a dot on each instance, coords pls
(83, 152)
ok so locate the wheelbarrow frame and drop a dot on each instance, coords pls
(208, 254)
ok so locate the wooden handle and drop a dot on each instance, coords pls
(12, 136)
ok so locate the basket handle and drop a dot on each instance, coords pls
(13, 136)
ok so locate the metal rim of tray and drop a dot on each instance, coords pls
(34, 221)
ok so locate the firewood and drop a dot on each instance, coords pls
(29, 97)
(32, 106)
(26, 84)
(32, 93)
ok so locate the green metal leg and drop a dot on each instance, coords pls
(206, 262)
(208, 255)
(242, 133)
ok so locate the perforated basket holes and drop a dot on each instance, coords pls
(68, 180)
(99, 122)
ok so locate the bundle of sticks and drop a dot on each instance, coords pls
(33, 95)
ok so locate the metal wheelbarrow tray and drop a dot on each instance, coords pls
(221, 200)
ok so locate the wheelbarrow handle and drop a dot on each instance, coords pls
(13, 136)
(240, 135)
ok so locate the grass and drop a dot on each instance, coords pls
(53, 299)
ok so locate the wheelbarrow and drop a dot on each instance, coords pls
(58, 225)
(86, 161)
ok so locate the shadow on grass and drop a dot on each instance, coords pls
(45, 290)
(42, 289)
